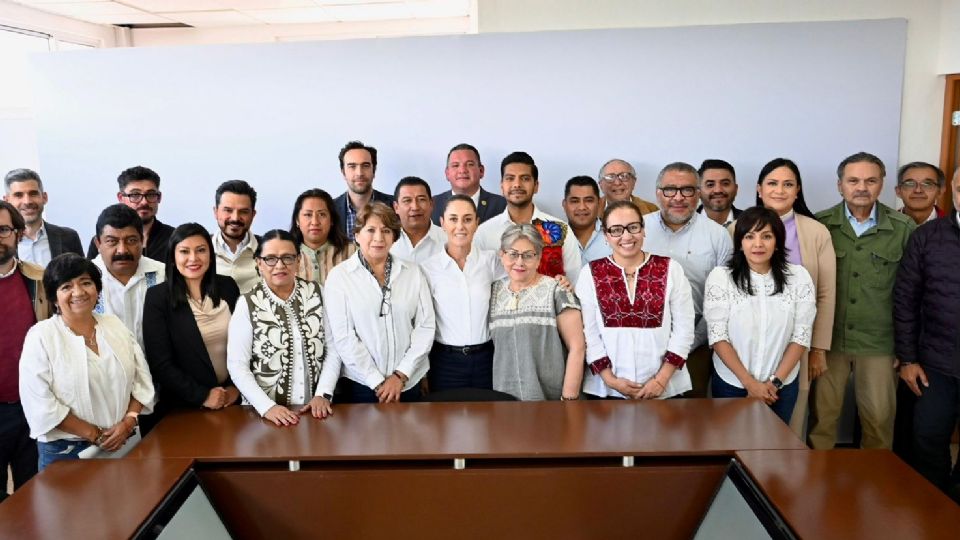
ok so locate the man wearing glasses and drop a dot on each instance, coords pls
(617, 179)
(919, 186)
(695, 241)
(140, 190)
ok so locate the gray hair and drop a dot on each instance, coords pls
(523, 231)
(615, 160)
(22, 175)
(678, 166)
(861, 157)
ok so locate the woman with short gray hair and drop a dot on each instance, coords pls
(536, 325)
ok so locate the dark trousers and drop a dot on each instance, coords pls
(783, 406)
(903, 422)
(17, 450)
(461, 367)
(360, 393)
(934, 418)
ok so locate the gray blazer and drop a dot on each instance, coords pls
(490, 205)
(62, 240)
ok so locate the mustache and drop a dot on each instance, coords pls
(121, 257)
(234, 223)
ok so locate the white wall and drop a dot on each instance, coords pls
(950, 37)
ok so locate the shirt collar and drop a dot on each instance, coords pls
(16, 266)
(224, 246)
(688, 224)
(872, 218)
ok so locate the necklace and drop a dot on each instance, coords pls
(88, 340)
(517, 294)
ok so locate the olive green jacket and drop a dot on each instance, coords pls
(866, 269)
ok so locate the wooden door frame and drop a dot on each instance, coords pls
(949, 136)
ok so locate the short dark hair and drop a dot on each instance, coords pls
(22, 175)
(941, 178)
(617, 205)
(799, 205)
(136, 174)
(16, 218)
(119, 216)
(175, 282)
(276, 234)
(336, 237)
(754, 219)
(583, 181)
(461, 198)
(717, 164)
(238, 187)
(64, 268)
(861, 157)
(357, 145)
(523, 158)
(411, 181)
(465, 146)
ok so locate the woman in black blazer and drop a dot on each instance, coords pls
(185, 322)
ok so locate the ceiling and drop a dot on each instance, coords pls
(213, 13)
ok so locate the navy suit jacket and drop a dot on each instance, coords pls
(62, 240)
(490, 205)
(340, 205)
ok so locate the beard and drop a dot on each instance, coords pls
(674, 219)
(7, 253)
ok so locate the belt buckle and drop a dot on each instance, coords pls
(465, 350)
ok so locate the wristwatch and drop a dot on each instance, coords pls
(777, 383)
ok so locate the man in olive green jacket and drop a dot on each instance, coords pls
(869, 238)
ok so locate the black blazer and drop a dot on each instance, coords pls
(156, 248)
(340, 205)
(179, 363)
(491, 205)
(62, 240)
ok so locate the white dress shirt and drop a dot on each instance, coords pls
(126, 301)
(637, 353)
(372, 346)
(35, 251)
(761, 325)
(699, 246)
(461, 298)
(240, 264)
(60, 375)
(429, 245)
(240, 351)
(490, 231)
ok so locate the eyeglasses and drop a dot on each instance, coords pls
(623, 177)
(616, 231)
(136, 196)
(6, 231)
(926, 185)
(527, 256)
(272, 260)
(671, 191)
(385, 303)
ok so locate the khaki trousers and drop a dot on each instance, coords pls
(799, 417)
(875, 390)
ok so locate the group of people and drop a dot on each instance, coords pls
(378, 298)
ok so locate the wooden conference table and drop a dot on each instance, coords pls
(477, 470)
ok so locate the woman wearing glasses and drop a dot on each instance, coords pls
(638, 315)
(807, 243)
(381, 314)
(535, 324)
(278, 347)
(323, 244)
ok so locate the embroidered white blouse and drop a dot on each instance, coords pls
(759, 326)
(60, 375)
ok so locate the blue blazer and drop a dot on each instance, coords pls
(490, 205)
(340, 206)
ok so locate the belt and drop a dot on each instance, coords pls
(465, 349)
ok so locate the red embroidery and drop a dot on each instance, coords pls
(551, 262)
(649, 300)
(597, 366)
(675, 359)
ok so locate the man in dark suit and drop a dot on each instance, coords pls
(718, 189)
(41, 241)
(464, 172)
(358, 163)
(140, 190)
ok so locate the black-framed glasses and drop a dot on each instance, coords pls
(926, 185)
(6, 231)
(513, 255)
(385, 302)
(616, 231)
(623, 177)
(671, 191)
(136, 196)
(272, 260)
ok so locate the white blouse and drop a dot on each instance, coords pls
(60, 375)
(461, 298)
(637, 353)
(372, 346)
(759, 326)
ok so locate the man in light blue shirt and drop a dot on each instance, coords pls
(581, 203)
(41, 241)
(697, 243)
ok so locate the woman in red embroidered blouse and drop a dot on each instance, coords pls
(638, 315)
